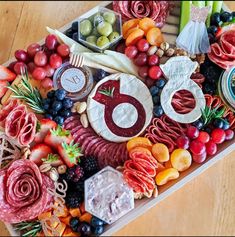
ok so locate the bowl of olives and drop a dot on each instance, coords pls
(101, 30)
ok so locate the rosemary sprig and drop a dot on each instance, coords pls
(209, 114)
(108, 92)
(29, 228)
(26, 92)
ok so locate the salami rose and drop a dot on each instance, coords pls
(23, 193)
(157, 10)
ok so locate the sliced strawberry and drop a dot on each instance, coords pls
(44, 125)
(53, 160)
(57, 136)
(3, 88)
(70, 153)
(38, 152)
(6, 74)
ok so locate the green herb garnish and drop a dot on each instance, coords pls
(28, 228)
(209, 114)
(26, 92)
(108, 92)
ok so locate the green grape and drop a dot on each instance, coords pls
(113, 36)
(85, 27)
(91, 39)
(95, 32)
(104, 28)
(97, 19)
(109, 17)
(102, 41)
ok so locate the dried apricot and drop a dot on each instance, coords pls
(44, 215)
(86, 217)
(140, 149)
(138, 142)
(75, 212)
(65, 220)
(129, 24)
(130, 31)
(160, 168)
(68, 232)
(181, 159)
(146, 24)
(134, 37)
(160, 152)
(166, 175)
(154, 36)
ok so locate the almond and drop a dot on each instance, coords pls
(84, 120)
(54, 174)
(45, 167)
(81, 107)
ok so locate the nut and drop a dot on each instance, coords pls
(54, 174)
(152, 50)
(62, 169)
(170, 52)
(74, 108)
(45, 167)
(81, 107)
(155, 192)
(200, 58)
(180, 52)
(138, 195)
(160, 53)
(193, 56)
(164, 46)
(120, 168)
(84, 120)
(25, 152)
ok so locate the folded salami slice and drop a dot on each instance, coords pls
(223, 53)
(28, 131)
(4, 112)
(15, 121)
(23, 193)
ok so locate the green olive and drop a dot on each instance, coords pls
(109, 17)
(113, 36)
(85, 27)
(102, 41)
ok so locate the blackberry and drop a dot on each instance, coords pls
(78, 173)
(73, 200)
(90, 165)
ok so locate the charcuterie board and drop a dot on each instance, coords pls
(170, 31)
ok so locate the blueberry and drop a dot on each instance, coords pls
(75, 36)
(59, 120)
(215, 19)
(212, 38)
(96, 221)
(56, 105)
(212, 29)
(218, 123)
(48, 116)
(100, 74)
(98, 230)
(74, 223)
(69, 33)
(75, 26)
(154, 90)
(158, 111)
(51, 94)
(156, 99)
(233, 14)
(53, 112)
(67, 103)
(208, 130)
(226, 125)
(46, 101)
(226, 17)
(60, 94)
(84, 228)
(209, 88)
(198, 124)
(65, 113)
(46, 107)
(160, 83)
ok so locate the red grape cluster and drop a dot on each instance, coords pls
(201, 143)
(41, 61)
(148, 64)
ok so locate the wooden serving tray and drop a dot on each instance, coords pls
(170, 31)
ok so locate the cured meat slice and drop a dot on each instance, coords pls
(223, 52)
(28, 131)
(157, 10)
(23, 193)
(4, 112)
(15, 121)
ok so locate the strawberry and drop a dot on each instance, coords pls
(70, 153)
(6, 74)
(53, 160)
(55, 137)
(38, 152)
(3, 88)
(43, 127)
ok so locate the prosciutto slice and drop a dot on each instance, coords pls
(223, 52)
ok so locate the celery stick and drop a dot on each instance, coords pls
(208, 20)
(217, 6)
(199, 3)
(184, 13)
